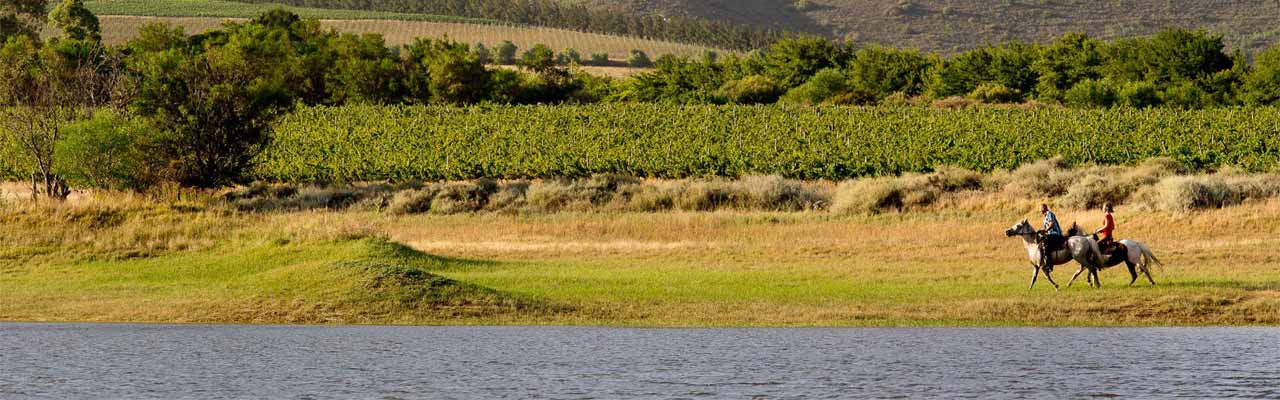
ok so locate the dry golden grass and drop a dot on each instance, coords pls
(118, 29)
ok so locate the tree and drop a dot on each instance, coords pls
(569, 57)
(882, 71)
(1072, 58)
(216, 101)
(364, 70)
(506, 52)
(21, 18)
(445, 72)
(75, 21)
(47, 88)
(482, 53)
(540, 59)
(1262, 84)
(791, 62)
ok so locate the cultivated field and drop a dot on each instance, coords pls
(119, 29)
(193, 258)
(120, 20)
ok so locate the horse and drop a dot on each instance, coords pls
(1135, 255)
(1081, 249)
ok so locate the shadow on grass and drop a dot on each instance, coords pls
(401, 280)
(387, 249)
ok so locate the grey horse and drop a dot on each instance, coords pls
(1135, 255)
(1079, 248)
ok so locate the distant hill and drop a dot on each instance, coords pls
(952, 25)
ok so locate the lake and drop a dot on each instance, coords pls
(59, 361)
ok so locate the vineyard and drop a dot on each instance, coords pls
(361, 143)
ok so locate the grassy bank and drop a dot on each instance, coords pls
(196, 258)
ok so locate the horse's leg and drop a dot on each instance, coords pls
(1035, 273)
(1096, 281)
(1077, 275)
(1147, 272)
(1133, 274)
(1049, 278)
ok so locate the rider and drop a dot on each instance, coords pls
(1108, 226)
(1052, 237)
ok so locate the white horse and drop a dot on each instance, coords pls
(1134, 254)
(1079, 248)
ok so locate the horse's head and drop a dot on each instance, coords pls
(1021, 228)
(1075, 230)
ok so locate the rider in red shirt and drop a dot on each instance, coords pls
(1108, 226)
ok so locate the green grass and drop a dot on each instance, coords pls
(231, 9)
(203, 262)
(350, 281)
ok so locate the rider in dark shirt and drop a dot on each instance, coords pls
(1052, 239)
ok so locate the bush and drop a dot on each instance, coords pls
(1139, 95)
(824, 85)
(600, 59)
(506, 52)
(638, 59)
(1042, 179)
(753, 89)
(110, 151)
(462, 197)
(994, 93)
(774, 193)
(569, 57)
(877, 195)
(1091, 93)
(1181, 194)
(413, 201)
(508, 196)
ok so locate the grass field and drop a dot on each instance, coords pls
(194, 260)
(120, 20)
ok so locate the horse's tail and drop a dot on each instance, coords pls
(1148, 257)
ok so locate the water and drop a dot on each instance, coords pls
(212, 362)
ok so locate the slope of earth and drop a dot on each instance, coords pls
(952, 25)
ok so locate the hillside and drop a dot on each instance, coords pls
(950, 25)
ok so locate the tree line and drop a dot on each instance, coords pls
(197, 109)
(572, 16)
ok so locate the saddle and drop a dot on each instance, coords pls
(1112, 249)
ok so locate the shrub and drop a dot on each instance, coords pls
(954, 102)
(994, 93)
(462, 197)
(753, 89)
(1091, 93)
(823, 86)
(1139, 95)
(638, 59)
(110, 151)
(600, 59)
(1182, 194)
(508, 196)
(506, 52)
(773, 193)
(414, 201)
(1042, 179)
(877, 195)
(657, 196)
